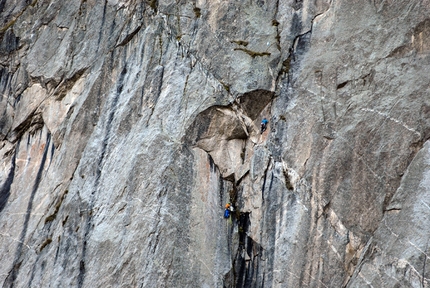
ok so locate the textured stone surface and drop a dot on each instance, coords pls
(126, 126)
(397, 254)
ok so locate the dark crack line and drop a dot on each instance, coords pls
(5, 189)
(100, 36)
(158, 93)
(129, 37)
(265, 178)
(292, 50)
(89, 221)
(360, 262)
(10, 280)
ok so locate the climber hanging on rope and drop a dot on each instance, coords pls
(264, 125)
(228, 209)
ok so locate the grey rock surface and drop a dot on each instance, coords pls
(126, 126)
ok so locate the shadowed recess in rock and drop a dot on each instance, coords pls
(254, 102)
(228, 122)
(8, 42)
(246, 259)
(5, 189)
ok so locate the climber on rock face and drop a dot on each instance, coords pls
(228, 209)
(226, 213)
(263, 125)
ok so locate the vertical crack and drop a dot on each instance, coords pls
(5, 189)
(10, 280)
(89, 220)
(247, 257)
(264, 181)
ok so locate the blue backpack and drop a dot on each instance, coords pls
(226, 213)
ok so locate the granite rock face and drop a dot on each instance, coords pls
(126, 126)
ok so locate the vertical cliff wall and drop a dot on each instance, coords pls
(126, 126)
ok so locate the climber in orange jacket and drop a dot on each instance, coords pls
(228, 209)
